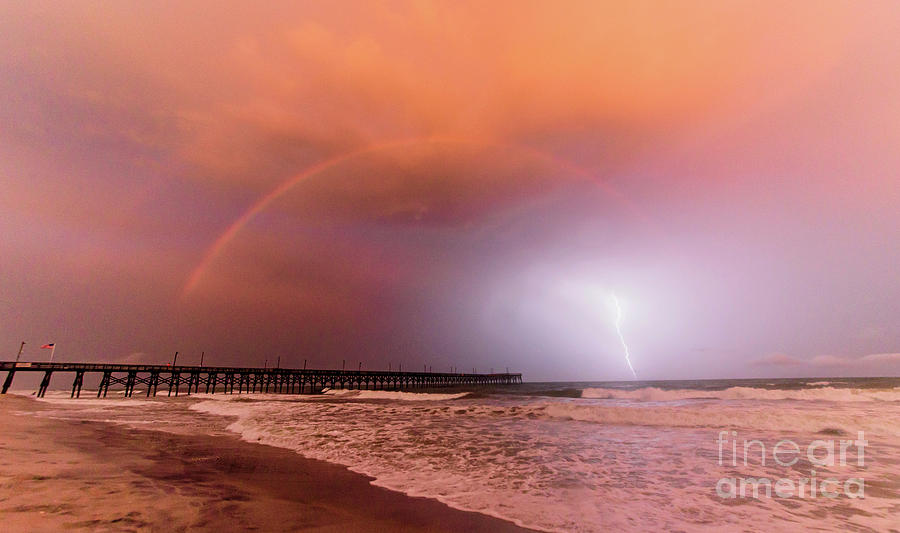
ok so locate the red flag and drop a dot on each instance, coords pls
(49, 346)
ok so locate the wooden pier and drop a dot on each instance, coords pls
(211, 379)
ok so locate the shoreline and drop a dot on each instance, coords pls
(62, 474)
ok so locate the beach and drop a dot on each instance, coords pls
(556, 457)
(60, 475)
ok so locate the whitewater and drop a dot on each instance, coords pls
(572, 456)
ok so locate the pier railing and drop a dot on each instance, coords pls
(212, 379)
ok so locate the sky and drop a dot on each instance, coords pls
(454, 184)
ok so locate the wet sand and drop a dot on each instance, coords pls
(58, 475)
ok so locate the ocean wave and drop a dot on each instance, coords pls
(63, 398)
(538, 462)
(713, 416)
(828, 394)
(336, 394)
(400, 396)
(553, 464)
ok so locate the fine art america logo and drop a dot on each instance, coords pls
(786, 453)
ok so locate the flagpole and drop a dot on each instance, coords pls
(52, 351)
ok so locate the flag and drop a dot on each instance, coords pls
(49, 346)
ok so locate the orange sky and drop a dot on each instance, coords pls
(135, 135)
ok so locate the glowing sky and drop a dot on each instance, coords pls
(455, 183)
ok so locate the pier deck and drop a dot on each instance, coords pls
(212, 379)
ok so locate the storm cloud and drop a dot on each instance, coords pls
(426, 182)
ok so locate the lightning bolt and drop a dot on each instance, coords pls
(621, 337)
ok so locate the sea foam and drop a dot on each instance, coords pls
(827, 394)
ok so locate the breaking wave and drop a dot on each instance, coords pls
(783, 419)
(826, 394)
(395, 395)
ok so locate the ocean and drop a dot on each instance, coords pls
(774, 454)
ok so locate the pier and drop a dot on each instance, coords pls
(211, 379)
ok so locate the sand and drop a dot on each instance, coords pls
(61, 475)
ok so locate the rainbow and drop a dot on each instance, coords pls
(260, 205)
